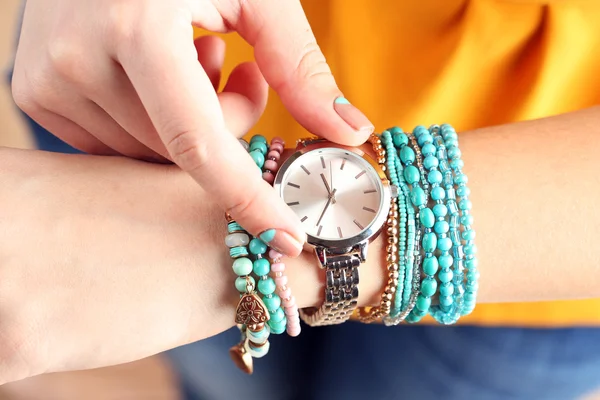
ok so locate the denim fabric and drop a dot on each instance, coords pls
(357, 362)
(44, 140)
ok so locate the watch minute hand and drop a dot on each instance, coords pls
(331, 180)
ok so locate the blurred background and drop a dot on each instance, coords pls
(13, 131)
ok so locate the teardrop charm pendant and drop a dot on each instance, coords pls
(241, 358)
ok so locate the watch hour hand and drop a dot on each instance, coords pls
(326, 185)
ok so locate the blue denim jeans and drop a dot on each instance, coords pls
(355, 361)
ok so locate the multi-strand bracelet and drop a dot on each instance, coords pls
(435, 236)
(266, 304)
(430, 240)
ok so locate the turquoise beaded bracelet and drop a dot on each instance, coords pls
(404, 299)
(429, 216)
(259, 312)
(467, 257)
(258, 149)
(450, 274)
(251, 313)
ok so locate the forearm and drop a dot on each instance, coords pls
(105, 252)
(535, 188)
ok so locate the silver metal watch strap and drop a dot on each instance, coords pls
(341, 292)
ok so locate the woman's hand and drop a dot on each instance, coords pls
(123, 77)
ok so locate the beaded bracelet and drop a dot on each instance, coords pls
(369, 315)
(251, 313)
(432, 240)
(404, 304)
(411, 177)
(284, 292)
(451, 283)
(418, 225)
(262, 266)
(257, 316)
(271, 165)
(266, 286)
(406, 241)
(466, 256)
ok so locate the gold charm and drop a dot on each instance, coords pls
(251, 311)
(241, 358)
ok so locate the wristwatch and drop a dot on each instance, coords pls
(342, 198)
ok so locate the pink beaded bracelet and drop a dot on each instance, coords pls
(271, 163)
(277, 266)
(288, 302)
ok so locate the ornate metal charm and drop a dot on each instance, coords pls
(251, 310)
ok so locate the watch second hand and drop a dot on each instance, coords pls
(331, 179)
(326, 206)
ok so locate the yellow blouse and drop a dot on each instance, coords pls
(473, 63)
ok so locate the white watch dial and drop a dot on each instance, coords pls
(335, 193)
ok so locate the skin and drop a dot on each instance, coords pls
(122, 77)
(94, 275)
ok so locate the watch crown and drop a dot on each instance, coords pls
(394, 191)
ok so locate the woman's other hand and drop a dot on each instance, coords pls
(123, 77)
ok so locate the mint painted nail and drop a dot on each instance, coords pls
(353, 116)
(281, 242)
(267, 236)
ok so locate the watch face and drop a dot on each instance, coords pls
(336, 193)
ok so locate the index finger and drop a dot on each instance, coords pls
(184, 108)
(293, 64)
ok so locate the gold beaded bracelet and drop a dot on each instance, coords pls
(373, 314)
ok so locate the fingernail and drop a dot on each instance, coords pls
(282, 242)
(352, 115)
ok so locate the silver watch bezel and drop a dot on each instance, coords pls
(374, 228)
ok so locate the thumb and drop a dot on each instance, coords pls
(292, 63)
